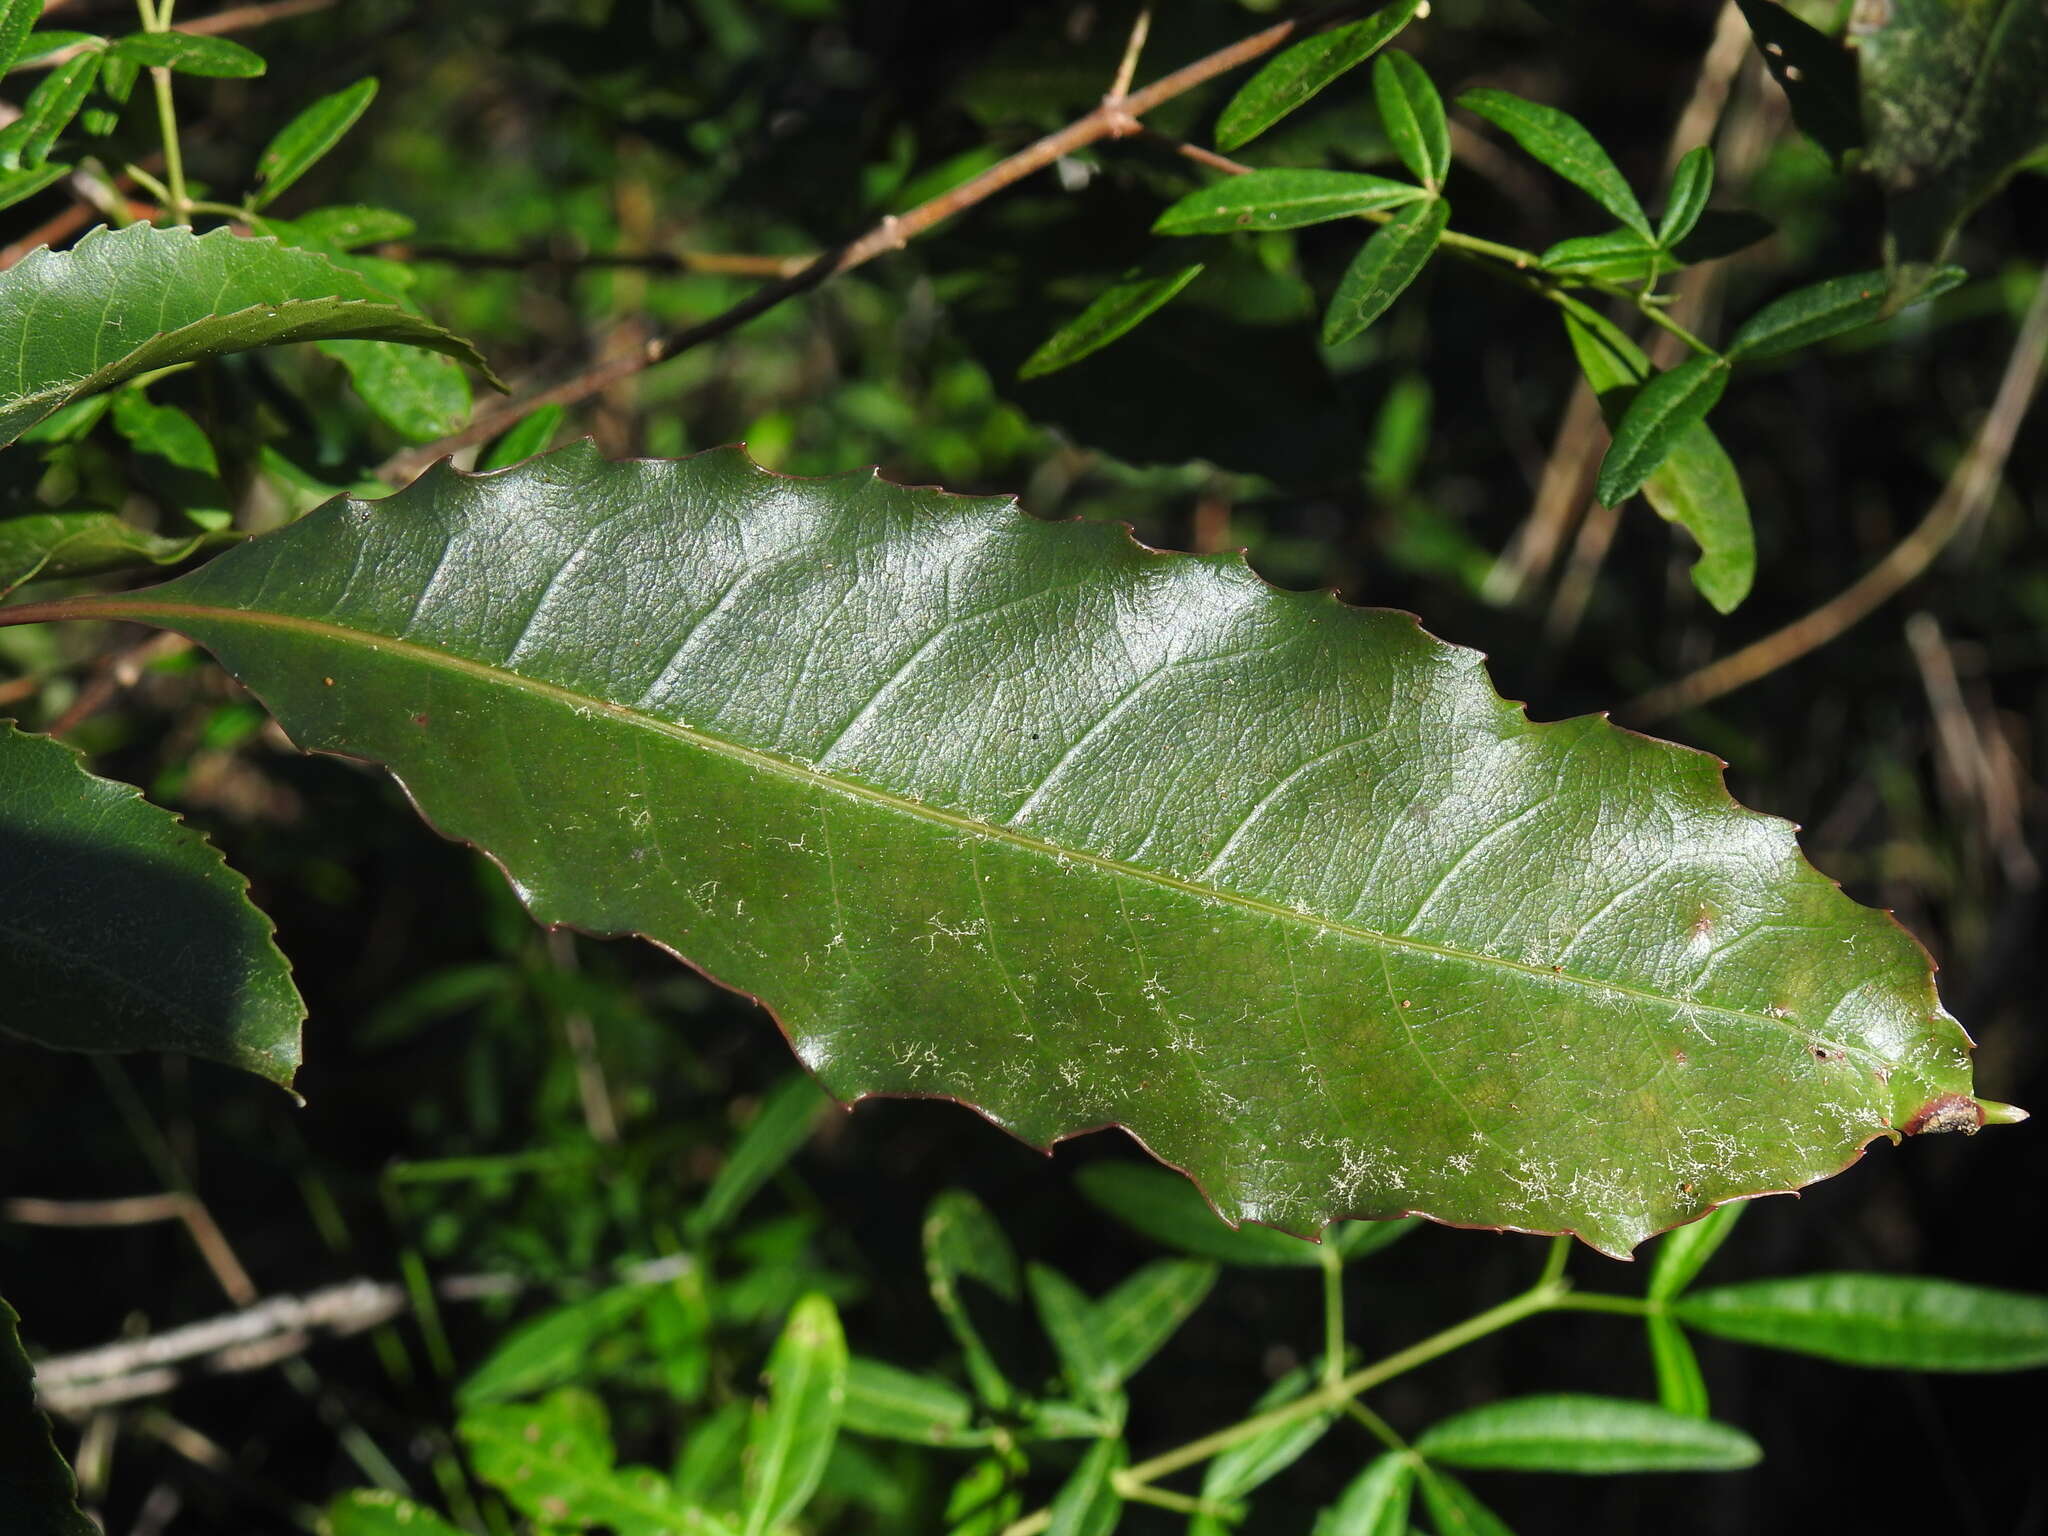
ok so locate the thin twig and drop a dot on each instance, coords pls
(1969, 488)
(116, 674)
(1121, 86)
(892, 234)
(720, 263)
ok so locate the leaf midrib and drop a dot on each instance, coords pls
(127, 607)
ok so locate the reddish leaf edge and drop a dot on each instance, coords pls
(1942, 1113)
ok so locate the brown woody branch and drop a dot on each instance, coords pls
(1114, 118)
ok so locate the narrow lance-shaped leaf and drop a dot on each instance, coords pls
(1454, 1509)
(792, 1439)
(122, 929)
(1619, 256)
(123, 302)
(36, 1488)
(1254, 1462)
(1696, 486)
(1879, 1320)
(19, 186)
(1080, 833)
(1068, 1317)
(553, 1349)
(48, 112)
(890, 1403)
(1561, 142)
(1134, 1321)
(1282, 199)
(1114, 311)
(1383, 268)
(301, 143)
(1295, 76)
(1681, 1389)
(43, 546)
(961, 1239)
(1682, 1254)
(788, 1114)
(189, 54)
(1375, 1503)
(1656, 421)
(1825, 309)
(17, 19)
(1692, 183)
(1566, 1432)
(1088, 1503)
(1413, 113)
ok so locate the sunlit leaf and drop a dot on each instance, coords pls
(1282, 199)
(123, 302)
(1680, 1255)
(1681, 1389)
(1134, 1321)
(1375, 1503)
(28, 140)
(1296, 75)
(190, 54)
(1561, 142)
(1253, 1462)
(1564, 1432)
(1663, 411)
(1029, 816)
(1088, 1503)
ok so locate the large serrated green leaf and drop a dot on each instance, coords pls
(122, 302)
(1081, 833)
(122, 929)
(36, 1488)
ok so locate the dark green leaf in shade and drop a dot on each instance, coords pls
(1068, 1317)
(961, 1241)
(893, 1404)
(124, 302)
(1251, 1463)
(1134, 1321)
(523, 439)
(1825, 309)
(301, 143)
(946, 887)
(707, 1464)
(1384, 266)
(1561, 142)
(1454, 1509)
(374, 1512)
(554, 1460)
(19, 186)
(985, 1499)
(1114, 311)
(1294, 76)
(1569, 1432)
(190, 55)
(1088, 1503)
(1681, 1254)
(1619, 256)
(1692, 183)
(1696, 486)
(792, 1440)
(164, 430)
(1170, 1210)
(43, 546)
(1816, 72)
(17, 19)
(1952, 102)
(1656, 420)
(1282, 199)
(419, 395)
(1413, 114)
(1375, 1503)
(36, 1488)
(788, 1114)
(1879, 1320)
(26, 142)
(1722, 232)
(122, 929)
(553, 1349)
(1680, 1387)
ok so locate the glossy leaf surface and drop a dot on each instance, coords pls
(1664, 411)
(1696, 486)
(47, 112)
(1561, 142)
(1565, 1432)
(1383, 268)
(1879, 1320)
(1282, 199)
(1692, 183)
(1296, 75)
(37, 1491)
(122, 929)
(1080, 833)
(1413, 114)
(123, 302)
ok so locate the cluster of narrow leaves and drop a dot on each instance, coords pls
(1662, 445)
